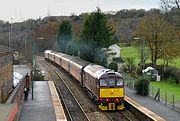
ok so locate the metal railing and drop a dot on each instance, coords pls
(165, 97)
(18, 95)
(162, 96)
(15, 97)
(129, 81)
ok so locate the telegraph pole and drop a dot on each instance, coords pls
(10, 32)
(25, 47)
(9, 37)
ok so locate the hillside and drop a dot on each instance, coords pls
(124, 23)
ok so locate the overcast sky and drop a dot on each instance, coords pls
(24, 9)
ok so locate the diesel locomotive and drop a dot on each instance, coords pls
(103, 85)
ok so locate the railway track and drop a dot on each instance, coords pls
(73, 108)
(89, 107)
(121, 116)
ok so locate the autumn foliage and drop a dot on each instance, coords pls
(162, 38)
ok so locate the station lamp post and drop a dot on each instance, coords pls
(33, 66)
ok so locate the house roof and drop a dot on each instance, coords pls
(4, 48)
(148, 69)
(115, 46)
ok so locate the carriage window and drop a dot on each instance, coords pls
(103, 83)
(119, 82)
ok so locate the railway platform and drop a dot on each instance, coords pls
(158, 108)
(8, 112)
(44, 105)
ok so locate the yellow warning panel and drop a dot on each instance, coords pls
(111, 92)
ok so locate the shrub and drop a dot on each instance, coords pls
(173, 73)
(134, 74)
(177, 76)
(168, 73)
(142, 87)
(113, 65)
(139, 71)
(38, 76)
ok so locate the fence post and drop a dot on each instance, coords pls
(133, 84)
(152, 91)
(173, 100)
(127, 79)
(158, 94)
(165, 98)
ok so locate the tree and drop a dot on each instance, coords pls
(171, 10)
(130, 62)
(113, 65)
(157, 33)
(142, 86)
(97, 31)
(64, 35)
(169, 4)
(96, 34)
(171, 49)
(48, 34)
(72, 47)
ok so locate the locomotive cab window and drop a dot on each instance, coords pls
(111, 82)
(103, 83)
(119, 82)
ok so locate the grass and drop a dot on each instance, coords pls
(170, 88)
(167, 87)
(130, 52)
(133, 52)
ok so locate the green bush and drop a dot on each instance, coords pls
(134, 74)
(177, 76)
(38, 76)
(113, 65)
(173, 73)
(142, 87)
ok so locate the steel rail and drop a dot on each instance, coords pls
(54, 70)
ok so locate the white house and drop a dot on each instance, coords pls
(116, 50)
(114, 54)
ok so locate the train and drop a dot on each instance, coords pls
(104, 86)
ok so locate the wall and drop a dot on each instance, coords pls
(6, 75)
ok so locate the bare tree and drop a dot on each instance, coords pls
(169, 4)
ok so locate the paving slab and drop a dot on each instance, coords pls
(41, 107)
(156, 107)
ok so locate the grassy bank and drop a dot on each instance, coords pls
(133, 52)
(166, 87)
